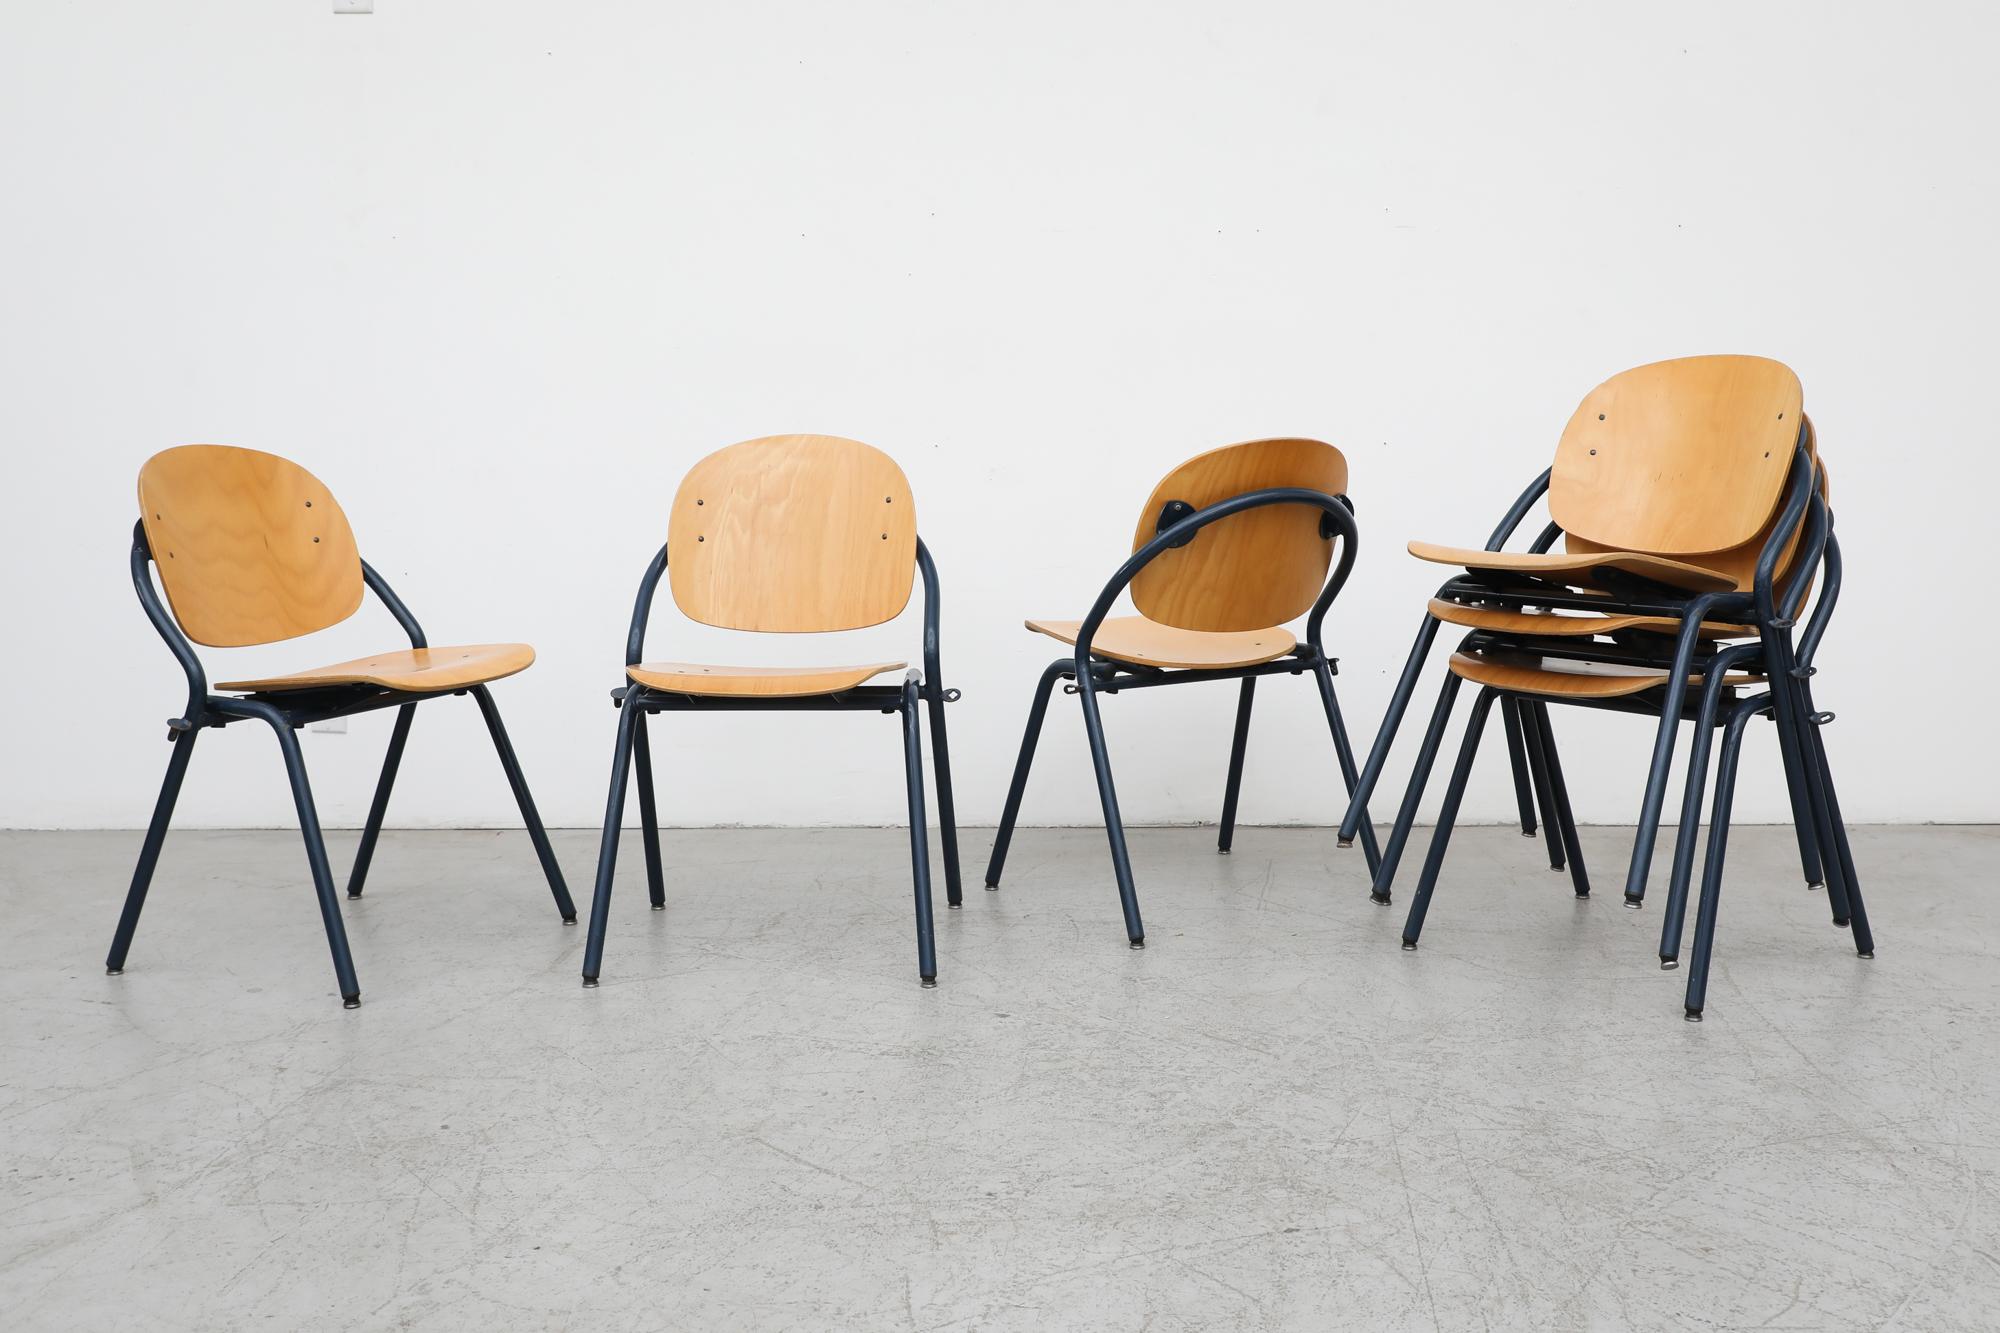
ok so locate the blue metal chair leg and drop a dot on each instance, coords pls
(1864, 938)
(1344, 753)
(322, 873)
(1517, 760)
(954, 893)
(379, 807)
(1447, 817)
(1392, 851)
(1803, 826)
(1663, 752)
(1036, 712)
(1545, 734)
(649, 814)
(1673, 919)
(1545, 793)
(1114, 825)
(1718, 847)
(1792, 711)
(607, 850)
(149, 852)
(538, 835)
(920, 852)
(1399, 702)
(1238, 742)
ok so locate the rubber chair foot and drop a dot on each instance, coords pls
(928, 983)
(1694, 1015)
(1409, 946)
(590, 983)
(350, 1001)
(114, 971)
(1634, 903)
(659, 907)
(1380, 898)
(1668, 964)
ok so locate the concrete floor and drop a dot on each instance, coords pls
(1271, 1118)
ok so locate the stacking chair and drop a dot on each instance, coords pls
(1231, 546)
(1665, 484)
(791, 534)
(252, 549)
(1665, 555)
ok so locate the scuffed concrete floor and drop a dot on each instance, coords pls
(1271, 1118)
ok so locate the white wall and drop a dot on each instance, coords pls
(499, 272)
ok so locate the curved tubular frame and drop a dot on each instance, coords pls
(1095, 675)
(285, 712)
(919, 692)
(1776, 605)
(1690, 609)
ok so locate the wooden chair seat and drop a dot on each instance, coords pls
(1549, 624)
(1143, 642)
(755, 682)
(414, 670)
(1523, 673)
(1559, 567)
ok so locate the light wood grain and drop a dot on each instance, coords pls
(417, 670)
(250, 547)
(758, 682)
(1144, 642)
(1556, 679)
(793, 534)
(1551, 624)
(1738, 564)
(1558, 568)
(1684, 457)
(1261, 567)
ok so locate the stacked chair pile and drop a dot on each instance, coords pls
(1691, 504)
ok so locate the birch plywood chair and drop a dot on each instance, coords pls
(1547, 672)
(1666, 484)
(252, 549)
(1667, 562)
(1231, 546)
(792, 534)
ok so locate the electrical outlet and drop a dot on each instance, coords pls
(354, 6)
(333, 726)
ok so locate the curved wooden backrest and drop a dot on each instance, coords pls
(1738, 562)
(1252, 570)
(793, 534)
(251, 548)
(1678, 458)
